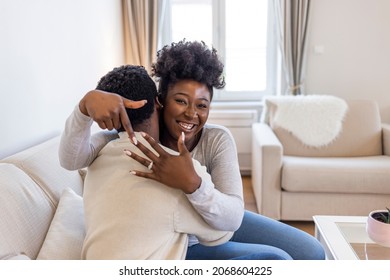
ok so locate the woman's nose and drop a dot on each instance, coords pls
(191, 112)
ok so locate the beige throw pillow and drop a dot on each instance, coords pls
(65, 237)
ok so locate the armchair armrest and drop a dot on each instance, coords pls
(267, 152)
(386, 138)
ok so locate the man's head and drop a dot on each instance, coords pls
(134, 83)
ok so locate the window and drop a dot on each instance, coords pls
(242, 33)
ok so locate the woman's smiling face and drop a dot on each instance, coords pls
(186, 109)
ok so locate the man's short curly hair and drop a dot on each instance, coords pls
(134, 83)
(188, 60)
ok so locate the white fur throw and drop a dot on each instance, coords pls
(314, 119)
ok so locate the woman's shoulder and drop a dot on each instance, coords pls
(216, 131)
(217, 144)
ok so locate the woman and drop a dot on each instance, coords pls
(187, 73)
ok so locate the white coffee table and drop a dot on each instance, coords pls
(345, 238)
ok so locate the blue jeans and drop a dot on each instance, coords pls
(262, 238)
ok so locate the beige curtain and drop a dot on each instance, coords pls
(140, 27)
(292, 18)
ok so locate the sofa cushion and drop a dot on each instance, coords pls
(19, 257)
(25, 213)
(41, 163)
(65, 237)
(361, 134)
(369, 175)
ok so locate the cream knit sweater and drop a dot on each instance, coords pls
(130, 217)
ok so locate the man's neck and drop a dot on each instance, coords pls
(147, 128)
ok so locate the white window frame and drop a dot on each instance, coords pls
(218, 7)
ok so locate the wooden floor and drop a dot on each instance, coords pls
(250, 204)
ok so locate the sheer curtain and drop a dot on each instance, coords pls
(164, 23)
(140, 28)
(292, 17)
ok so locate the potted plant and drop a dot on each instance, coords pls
(378, 227)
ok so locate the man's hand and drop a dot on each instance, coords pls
(108, 110)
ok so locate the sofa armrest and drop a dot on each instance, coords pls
(267, 154)
(386, 138)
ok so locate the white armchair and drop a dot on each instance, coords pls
(349, 176)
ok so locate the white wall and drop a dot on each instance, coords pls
(355, 36)
(51, 53)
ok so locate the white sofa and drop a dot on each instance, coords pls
(350, 176)
(41, 210)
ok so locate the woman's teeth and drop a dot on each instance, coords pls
(187, 126)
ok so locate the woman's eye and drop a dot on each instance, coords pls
(202, 106)
(181, 101)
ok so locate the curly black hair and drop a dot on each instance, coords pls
(134, 83)
(188, 60)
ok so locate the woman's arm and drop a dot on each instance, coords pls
(77, 147)
(222, 206)
(108, 110)
(220, 202)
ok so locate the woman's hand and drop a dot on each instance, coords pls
(174, 171)
(108, 110)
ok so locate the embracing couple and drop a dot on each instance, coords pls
(161, 182)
